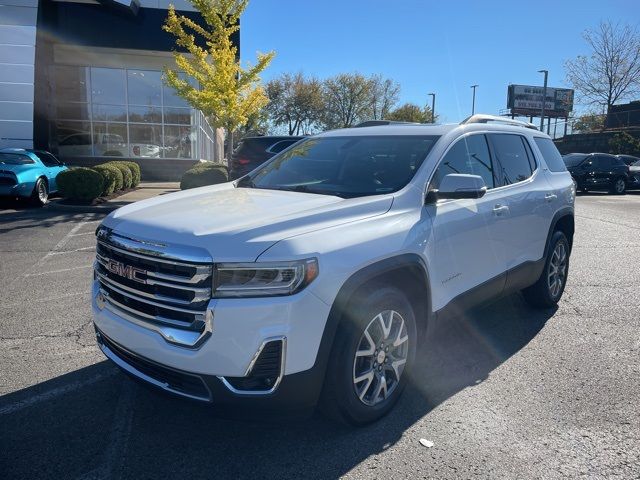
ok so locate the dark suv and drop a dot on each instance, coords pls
(598, 171)
(252, 152)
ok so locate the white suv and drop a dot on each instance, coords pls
(312, 278)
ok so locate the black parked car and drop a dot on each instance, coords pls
(252, 152)
(598, 171)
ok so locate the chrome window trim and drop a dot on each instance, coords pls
(252, 363)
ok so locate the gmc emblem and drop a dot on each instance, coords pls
(126, 271)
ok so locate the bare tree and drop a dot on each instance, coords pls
(612, 71)
(295, 101)
(347, 98)
(384, 96)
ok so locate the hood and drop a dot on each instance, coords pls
(238, 224)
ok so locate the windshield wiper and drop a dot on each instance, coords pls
(306, 189)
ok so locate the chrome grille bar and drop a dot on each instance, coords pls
(156, 289)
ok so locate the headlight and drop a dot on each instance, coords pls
(262, 279)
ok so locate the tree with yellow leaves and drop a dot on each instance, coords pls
(222, 89)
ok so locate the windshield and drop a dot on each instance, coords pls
(345, 166)
(573, 159)
(15, 159)
(636, 164)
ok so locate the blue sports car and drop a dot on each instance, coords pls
(29, 174)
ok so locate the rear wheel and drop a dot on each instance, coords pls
(40, 194)
(374, 350)
(619, 186)
(548, 289)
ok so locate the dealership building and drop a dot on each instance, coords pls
(83, 79)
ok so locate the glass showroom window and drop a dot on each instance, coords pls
(103, 111)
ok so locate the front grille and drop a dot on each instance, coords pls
(158, 291)
(170, 379)
(265, 373)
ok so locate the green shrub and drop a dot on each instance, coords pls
(204, 174)
(135, 172)
(112, 177)
(127, 178)
(80, 184)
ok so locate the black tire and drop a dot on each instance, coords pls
(618, 186)
(541, 294)
(339, 400)
(40, 194)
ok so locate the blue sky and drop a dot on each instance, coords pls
(429, 46)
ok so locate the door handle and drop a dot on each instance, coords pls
(500, 210)
(550, 197)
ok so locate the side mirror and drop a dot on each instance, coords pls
(456, 186)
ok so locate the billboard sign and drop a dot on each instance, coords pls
(527, 100)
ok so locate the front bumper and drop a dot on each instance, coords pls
(300, 390)
(239, 328)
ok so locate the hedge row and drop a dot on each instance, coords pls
(205, 173)
(87, 184)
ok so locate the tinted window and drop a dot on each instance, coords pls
(550, 154)
(469, 155)
(15, 159)
(600, 161)
(512, 159)
(573, 159)
(345, 166)
(47, 159)
(278, 147)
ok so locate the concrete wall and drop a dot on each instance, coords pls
(17, 60)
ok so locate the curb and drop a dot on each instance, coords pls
(57, 207)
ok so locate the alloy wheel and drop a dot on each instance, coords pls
(557, 273)
(380, 358)
(619, 186)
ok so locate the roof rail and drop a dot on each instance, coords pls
(481, 118)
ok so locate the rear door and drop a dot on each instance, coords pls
(523, 188)
(601, 170)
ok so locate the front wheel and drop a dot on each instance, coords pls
(619, 186)
(548, 289)
(374, 350)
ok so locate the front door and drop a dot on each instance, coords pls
(466, 254)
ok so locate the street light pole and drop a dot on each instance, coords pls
(433, 107)
(544, 98)
(473, 103)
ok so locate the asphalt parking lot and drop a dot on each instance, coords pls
(503, 392)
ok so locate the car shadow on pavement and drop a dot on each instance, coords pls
(97, 423)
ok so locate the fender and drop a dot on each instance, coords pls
(349, 289)
(560, 214)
